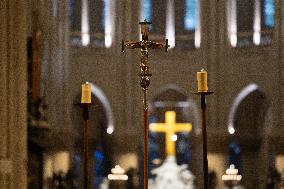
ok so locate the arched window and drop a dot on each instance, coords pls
(268, 13)
(154, 11)
(146, 10)
(101, 127)
(268, 24)
(250, 22)
(177, 20)
(248, 127)
(171, 103)
(92, 22)
(190, 14)
(187, 24)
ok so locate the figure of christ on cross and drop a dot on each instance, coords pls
(170, 128)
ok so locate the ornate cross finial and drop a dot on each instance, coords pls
(145, 45)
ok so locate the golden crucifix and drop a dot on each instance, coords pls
(144, 45)
(170, 128)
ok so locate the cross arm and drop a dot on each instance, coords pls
(130, 45)
(158, 44)
(182, 127)
(158, 127)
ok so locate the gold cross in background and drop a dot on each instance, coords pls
(170, 128)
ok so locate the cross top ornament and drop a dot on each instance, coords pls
(145, 44)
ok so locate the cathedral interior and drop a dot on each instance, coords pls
(49, 48)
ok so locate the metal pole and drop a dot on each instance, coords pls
(86, 146)
(204, 135)
(146, 148)
(145, 139)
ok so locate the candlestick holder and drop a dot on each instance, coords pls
(86, 173)
(204, 135)
(145, 45)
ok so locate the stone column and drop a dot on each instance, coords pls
(280, 40)
(53, 23)
(13, 94)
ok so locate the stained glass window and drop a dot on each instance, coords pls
(146, 12)
(70, 7)
(187, 27)
(154, 11)
(235, 155)
(268, 13)
(99, 168)
(105, 6)
(190, 14)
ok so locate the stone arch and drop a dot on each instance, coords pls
(249, 124)
(186, 102)
(173, 97)
(96, 91)
(252, 94)
(101, 127)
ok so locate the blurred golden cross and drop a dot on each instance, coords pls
(170, 128)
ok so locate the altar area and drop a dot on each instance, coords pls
(172, 150)
(195, 100)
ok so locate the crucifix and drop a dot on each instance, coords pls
(145, 45)
(170, 127)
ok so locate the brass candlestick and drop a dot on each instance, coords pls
(204, 135)
(145, 75)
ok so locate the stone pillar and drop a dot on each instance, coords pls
(51, 19)
(13, 94)
(53, 22)
(280, 40)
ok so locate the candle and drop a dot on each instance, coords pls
(202, 81)
(86, 93)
